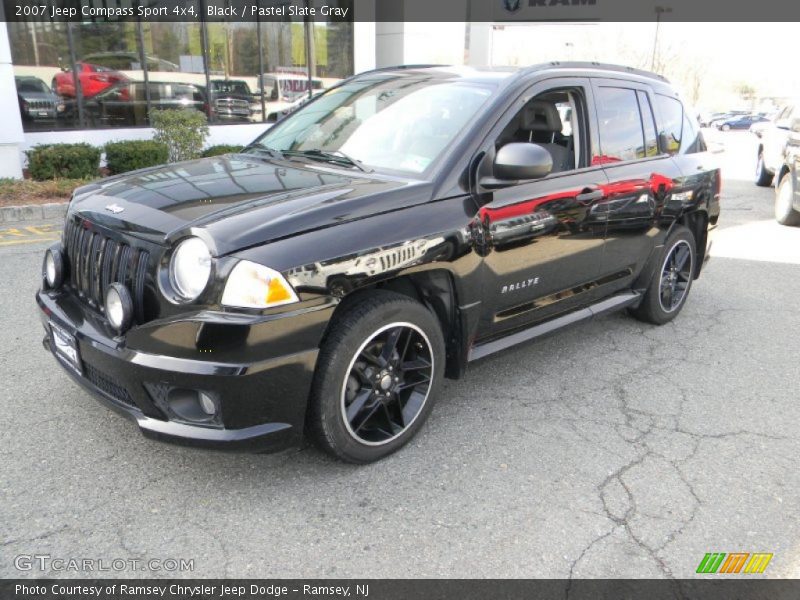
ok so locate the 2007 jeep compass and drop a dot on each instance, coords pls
(395, 228)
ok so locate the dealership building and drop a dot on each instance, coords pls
(97, 81)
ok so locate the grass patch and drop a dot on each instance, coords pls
(18, 192)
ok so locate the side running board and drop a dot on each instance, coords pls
(608, 305)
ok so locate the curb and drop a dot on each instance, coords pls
(33, 212)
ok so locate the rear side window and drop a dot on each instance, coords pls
(678, 130)
(621, 133)
(671, 125)
(692, 137)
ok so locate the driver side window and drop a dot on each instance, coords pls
(555, 120)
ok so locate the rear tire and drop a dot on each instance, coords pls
(785, 214)
(763, 177)
(672, 280)
(378, 374)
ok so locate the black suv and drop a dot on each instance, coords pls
(400, 225)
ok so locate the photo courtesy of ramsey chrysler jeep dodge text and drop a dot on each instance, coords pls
(396, 227)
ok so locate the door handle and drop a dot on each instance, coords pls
(587, 197)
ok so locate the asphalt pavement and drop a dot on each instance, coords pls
(614, 449)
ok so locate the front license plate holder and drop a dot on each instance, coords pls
(66, 348)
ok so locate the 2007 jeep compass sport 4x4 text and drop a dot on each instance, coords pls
(400, 225)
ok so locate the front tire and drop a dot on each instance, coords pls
(378, 374)
(763, 177)
(726, 127)
(669, 287)
(785, 214)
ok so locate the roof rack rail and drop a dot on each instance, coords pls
(404, 67)
(596, 65)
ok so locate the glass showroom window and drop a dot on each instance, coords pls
(113, 74)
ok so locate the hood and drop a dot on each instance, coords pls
(38, 96)
(237, 201)
(231, 96)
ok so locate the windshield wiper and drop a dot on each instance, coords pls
(271, 152)
(333, 156)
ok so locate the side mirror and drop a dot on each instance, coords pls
(519, 161)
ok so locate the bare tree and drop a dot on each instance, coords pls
(747, 93)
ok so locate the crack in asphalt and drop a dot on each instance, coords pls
(643, 422)
(36, 538)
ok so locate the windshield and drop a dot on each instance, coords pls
(390, 122)
(36, 86)
(231, 87)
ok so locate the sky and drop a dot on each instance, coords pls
(709, 62)
(723, 56)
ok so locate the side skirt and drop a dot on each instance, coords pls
(608, 305)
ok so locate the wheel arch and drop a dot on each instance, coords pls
(696, 222)
(433, 288)
(782, 172)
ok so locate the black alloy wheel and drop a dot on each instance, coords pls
(676, 276)
(671, 279)
(377, 377)
(388, 383)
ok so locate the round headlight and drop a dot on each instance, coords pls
(53, 270)
(119, 306)
(190, 268)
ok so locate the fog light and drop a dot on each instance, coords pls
(53, 268)
(119, 307)
(207, 404)
(190, 406)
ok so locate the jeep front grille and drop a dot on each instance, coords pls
(96, 261)
(41, 104)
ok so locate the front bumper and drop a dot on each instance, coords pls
(262, 403)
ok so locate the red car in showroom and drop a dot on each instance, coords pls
(93, 78)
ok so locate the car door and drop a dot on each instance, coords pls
(543, 241)
(641, 176)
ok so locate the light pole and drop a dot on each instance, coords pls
(660, 10)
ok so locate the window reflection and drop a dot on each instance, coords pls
(112, 74)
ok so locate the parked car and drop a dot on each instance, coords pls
(231, 100)
(93, 79)
(739, 122)
(787, 193)
(36, 101)
(719, 118)
(125, 104)
(376, 240)
(287, 87)
(707, 120)
(130, 61)
(771, 150)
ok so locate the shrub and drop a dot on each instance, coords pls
(63, 161)
(221, 149)
(183, 131)
(122, 157)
